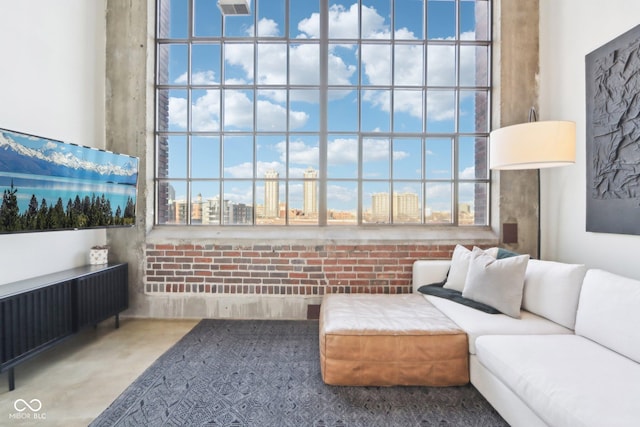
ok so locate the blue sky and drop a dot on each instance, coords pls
(344, 62)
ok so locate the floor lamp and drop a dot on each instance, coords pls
(533, 145)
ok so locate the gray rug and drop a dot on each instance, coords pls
(267, 373)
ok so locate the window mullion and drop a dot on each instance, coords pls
(323, 99)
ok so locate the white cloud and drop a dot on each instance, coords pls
(301, 153)
(205, 111)
(241, 55)
(267, 28)
(241, 170)
(468, 173)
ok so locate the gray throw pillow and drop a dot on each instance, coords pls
(496, 282)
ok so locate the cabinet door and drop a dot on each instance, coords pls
(102, 295)
(34, 320)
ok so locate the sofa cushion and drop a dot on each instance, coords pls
(476, 323)
(609, 312)
(567, 380)
(552, 290)
(460, 266)
(496, 282)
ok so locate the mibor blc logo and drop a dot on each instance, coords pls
(28, 410)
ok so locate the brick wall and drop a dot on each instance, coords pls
(284, 269)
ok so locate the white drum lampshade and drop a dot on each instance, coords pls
(533, 145)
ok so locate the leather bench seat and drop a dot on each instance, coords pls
(386, 340)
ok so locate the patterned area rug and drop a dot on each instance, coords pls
(267, 373)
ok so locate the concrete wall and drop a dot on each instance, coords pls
(570, 29)
(51, 85)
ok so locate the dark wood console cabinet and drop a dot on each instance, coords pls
(38, 313)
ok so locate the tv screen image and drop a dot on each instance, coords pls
(52, 185)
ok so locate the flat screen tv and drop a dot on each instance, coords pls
(52, 185)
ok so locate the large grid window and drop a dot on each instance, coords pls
(323, 112)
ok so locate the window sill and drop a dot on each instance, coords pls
(481, 235)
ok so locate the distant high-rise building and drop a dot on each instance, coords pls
(271, 194)
(310, 192)
(406, 207)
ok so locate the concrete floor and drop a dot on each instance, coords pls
(76, 380)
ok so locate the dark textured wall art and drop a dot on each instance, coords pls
(613, 135)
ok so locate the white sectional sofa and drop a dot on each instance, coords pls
(571, 359)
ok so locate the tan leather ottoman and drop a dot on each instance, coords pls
(384, 340)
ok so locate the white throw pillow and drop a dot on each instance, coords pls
(552, 289)
(496, 282)
(460, 265)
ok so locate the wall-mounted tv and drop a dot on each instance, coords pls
(52, 185)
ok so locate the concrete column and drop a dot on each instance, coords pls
(515, 91)
(129, 123)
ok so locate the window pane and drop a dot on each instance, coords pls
(272, 64)
(407, 111)
(376, 64)
(172, 115)
(376, 19)
(472, 203)
(406, 203)
(474, 70)
(441, 65)
(172, 64)
(441, 19)
(409, 17)
(343, 65)
(441, 111)
(343, 20)
(407, 155)
(237, 207)
(376, 203)
(173, 19)
(205, 157)
(304, 112)
(438, 160)
(238, 109)
(207, 18)
(303, 155)
(303, 199)
(205, 196)
(175, 211)
(342, 202)
(177, 158)
(238, 25)
(343, 110)
(238, 64)
(205, 110)
(376, 157)
(271, 114)
(438, 203)
(472, 158)
(342, 157)
(270, 201)
(376, 105)
(474, 111)
(238, 157)
(474, 20)
(409, 65)
(205, 64)
(271, 155)
(304, 19)
(304, 65)
(271, 22)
